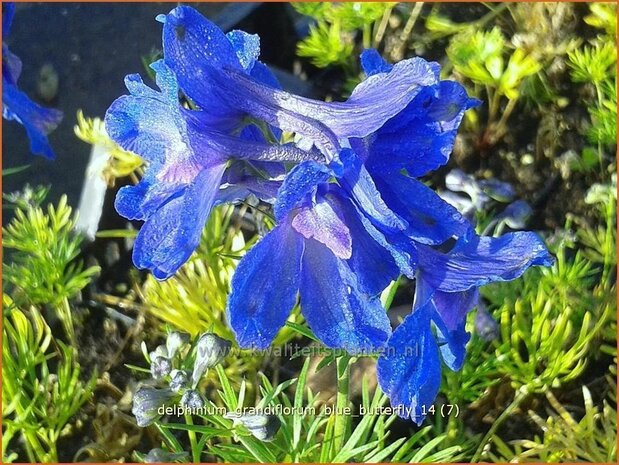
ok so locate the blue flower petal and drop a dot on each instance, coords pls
(140, 201)
(364, 112)
(11, 66)
(300, 181)
(170, 235)
(243, 178)
(430, 219)
(150, 124)
(263, 189)
(421, 137)
(360, 184)
(476, 261)
(336, 309)
(400, 247)
(263, 74)
(191, 46)
(409, 370)
(37, 120)
(264, 287)
(246, 46)
(372, 63)
(372, 263)
(450, 321)
(8, 12)
(194, 48)
(209, 72)
(320, 222)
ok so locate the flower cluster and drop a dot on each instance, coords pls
(352, 215)
(181, 367)
(16, 105)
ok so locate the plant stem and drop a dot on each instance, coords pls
(64, 312)
(452, 423)
(195, 450)
(598, 92)
(341, 401)
(608, 245)
(501, 126)
(521, 395)
(387, 299)
(367, 35)
(408, 27)
(381, 27)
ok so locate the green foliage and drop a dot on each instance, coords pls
(596, 64)
(38, 400)
(351, 15)
(15, 170)
(331, 40)
(599, 242)
(326, 46)
(480, 57)
(25, 198)
(593, 63)
(603, 128)
(552, 322)
(44, 247)
(553, 350)
(43, 268)
(603, 16)
(592, 438)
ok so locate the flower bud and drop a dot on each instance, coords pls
(516, 214)
(462, 203)
(163, 456)
(485, 325)
(175, 341)
(179, 381)
(210, 351)
(160, 367)
(146, 404)
(192, 400)
(458, 181)
(160, 351)
(262, 427)
(498, 190)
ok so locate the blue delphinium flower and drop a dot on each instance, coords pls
(351, 214)
(16, 105)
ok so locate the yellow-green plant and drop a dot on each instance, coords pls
(550, 324)
(481, 56)
(41, 265)
(331, 38)
(38, 401)
(603, 16)
(565, 438)
(596, 64)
